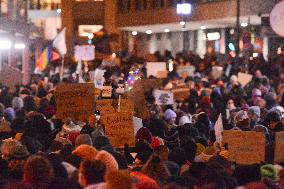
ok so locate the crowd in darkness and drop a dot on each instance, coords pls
(175, 149)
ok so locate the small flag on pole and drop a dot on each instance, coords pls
(60, 43)
(219, 129)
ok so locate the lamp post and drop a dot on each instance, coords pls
(184, 9)
(238, 29)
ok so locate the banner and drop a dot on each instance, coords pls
(74, 101)
(107, 106)
(219, 129)
(244, 78)
(10, 77)
(245, 147)
(153, 68)
(279, 147)
(119, 129)
(163, 97)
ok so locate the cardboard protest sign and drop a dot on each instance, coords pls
(119, 128)
(106, 106)
(107, 91)
(164, 97)
(217, 72)
(219, 129)
(245, 147)
(279, 147)
(244, 78)
(153, 68)
(186, 71)
(137, 95)
(10, 77)
(181, 93)
(74, 101)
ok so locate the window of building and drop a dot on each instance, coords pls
(3, 7)
(141, 4)
(172, 3)
(158, 4)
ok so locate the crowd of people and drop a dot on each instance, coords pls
(176, 148)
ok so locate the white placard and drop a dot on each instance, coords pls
(244, 78)
(219, 129)
(164, 97)
(153, 68)
(277, 18)
(84, 52)
(98, 77)
(187, 70)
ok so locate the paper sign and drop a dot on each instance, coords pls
(107, 91)
(107, 106)
(84, 52)
(217, 72)
(163, 97)
(244, 79)
(162, 74)
(279, 147)
(181, 93)
(153, 68)
(245, 147)
(186, 71)
(137, 123)
(74, 101)
(119, 129)
(219, 129)
(137, 95)
(97, 77)
(10, 77)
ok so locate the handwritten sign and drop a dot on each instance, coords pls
(244, 78)
(107, 106)
(119, 128)
(245, 147)
(219, 129)
(186, 71)
(84, 52)
(10, 77)
(107, 91)
(153, 68)
(181, 93)
(279, 147)
(164, 97)
(74, 101)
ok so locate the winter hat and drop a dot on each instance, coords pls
(170, 114)
(279, 109)
(255, 110)
(83, 139)
(109, 161)
(268, 97)
(256, 93)
(241, 115)
(17, 103)
(8, 147)
(156, 142)
(85, 152)
(256, 185)
(268, 171)
(144, 134)
(184, 119)
(144, 182)
(10, 113)
(234, 80)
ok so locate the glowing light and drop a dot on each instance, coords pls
(134, 33)
(113, 55)
(182, 23)
(255, 55)
(203, 27)
(279, 50)
(59, 11)
(244, 24)
(167, 30)
(171, 65)
(232, 47)
(149, 32)
(90, 35)
(19, 46)
(184, 9)
(5, 44)
(213, 36)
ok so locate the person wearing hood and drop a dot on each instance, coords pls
(254, 115)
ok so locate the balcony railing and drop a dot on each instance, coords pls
(39, 5)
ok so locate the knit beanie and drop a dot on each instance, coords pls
(83, 139)
(184, 120)
(17, 103)
(19, 152)
(170, 114)
(144, 182)
(109, 161)
(268, 171)
(85, 152)
(156, 142)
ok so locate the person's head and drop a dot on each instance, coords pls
(109, 161)
(85, 152)
(163, 152)
(91, 172)
(119, 180)
(8, 147)
(272, 119)
(29, 104)
(17, 103)
(170, 116)
(2, 111)
(83, 139)
(37, 170)
(254, 113)
(231, 104)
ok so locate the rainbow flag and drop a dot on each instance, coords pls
(47, 56)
